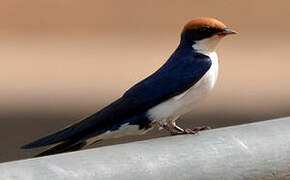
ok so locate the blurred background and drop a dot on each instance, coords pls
(62, 60)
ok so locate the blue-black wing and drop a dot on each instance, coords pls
(179, 73)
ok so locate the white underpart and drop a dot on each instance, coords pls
(182, 103)
(124, 130)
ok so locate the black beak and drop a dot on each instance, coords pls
(227, 32)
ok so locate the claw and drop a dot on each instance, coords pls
(201, 128)
(174, 130)
(192, 131)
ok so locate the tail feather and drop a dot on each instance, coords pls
(75, 131)
(67, 146)
(57, 137)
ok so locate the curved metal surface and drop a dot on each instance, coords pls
(251, 151)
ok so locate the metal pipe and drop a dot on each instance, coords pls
(251, 151)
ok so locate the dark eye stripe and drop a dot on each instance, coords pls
(209, 30)
(200, 33)
(204, 28)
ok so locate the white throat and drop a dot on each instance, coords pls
(207, 46)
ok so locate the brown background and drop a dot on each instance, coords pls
(62, 60)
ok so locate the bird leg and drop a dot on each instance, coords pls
(172, 128)
(180, 131)
(196, 130)
(169, 128)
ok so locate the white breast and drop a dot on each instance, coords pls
(182, 103)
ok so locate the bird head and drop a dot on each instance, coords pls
(204, 33)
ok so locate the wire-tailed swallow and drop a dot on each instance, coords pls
(187, 77)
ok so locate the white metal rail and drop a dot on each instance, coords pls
(251, 151)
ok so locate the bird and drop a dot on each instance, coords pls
(187, 77)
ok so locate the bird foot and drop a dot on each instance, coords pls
(191, 131)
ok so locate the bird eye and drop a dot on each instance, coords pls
(203, 29)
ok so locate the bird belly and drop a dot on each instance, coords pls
(183, 103)
(124, 130)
